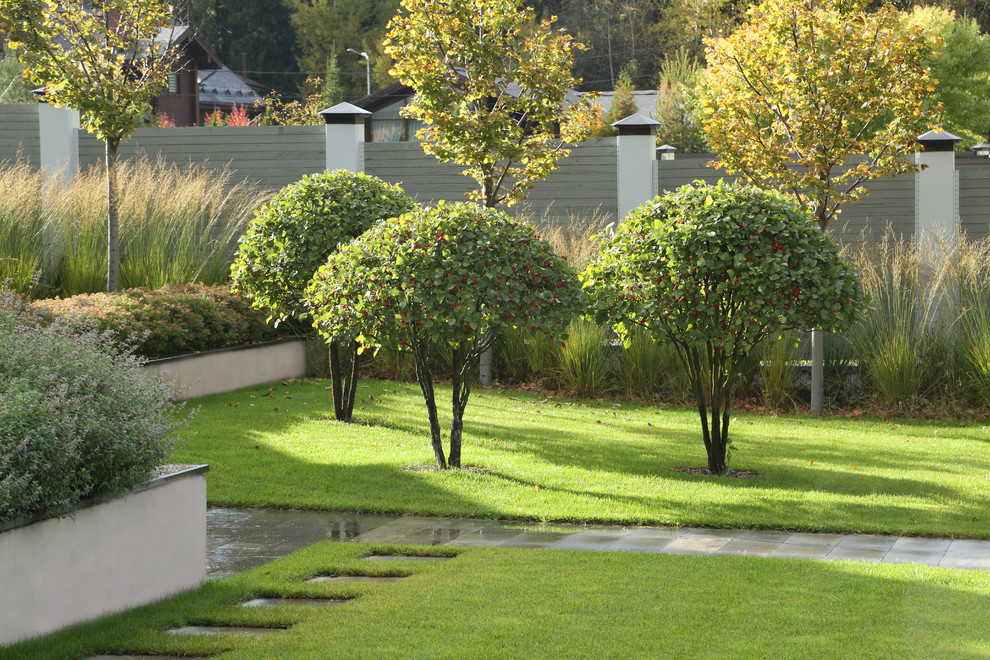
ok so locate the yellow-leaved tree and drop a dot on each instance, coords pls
(104, 58)
(805, 84)
(491, 88)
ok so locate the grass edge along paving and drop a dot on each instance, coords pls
(523, 603)
(539, 458)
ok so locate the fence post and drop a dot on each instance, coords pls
(636, 151)
(58, 132)
(345, 137)
(936, 203)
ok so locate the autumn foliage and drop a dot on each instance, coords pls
(491, 90)
(805, 84)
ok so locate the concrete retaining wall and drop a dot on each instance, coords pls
(112, 555)
(232, 368)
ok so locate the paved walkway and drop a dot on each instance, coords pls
(239, 539)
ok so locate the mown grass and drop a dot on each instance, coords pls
(546, 459)
(501, 602)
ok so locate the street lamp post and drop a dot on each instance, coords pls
(367, 66)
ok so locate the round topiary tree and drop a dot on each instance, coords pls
(716, 270)
(293, 234)
(443, 278)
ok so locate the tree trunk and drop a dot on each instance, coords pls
(461, 392)
(335, 384)
(113, 215)
(817, 372)
(343, 379)
(350, 380)
(425, 377)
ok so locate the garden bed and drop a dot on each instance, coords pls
(110, 554)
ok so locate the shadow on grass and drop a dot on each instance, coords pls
(628, 478)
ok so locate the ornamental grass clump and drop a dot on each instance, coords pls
(904, 344)
(176, 226)
(293, 234)
(716, 270)
(443, 280)
(79, 417)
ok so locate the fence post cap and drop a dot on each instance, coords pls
(938, 141)
(344, 113)
(636, 124)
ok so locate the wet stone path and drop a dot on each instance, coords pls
(239, 539)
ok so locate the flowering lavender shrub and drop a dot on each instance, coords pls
(79, 417)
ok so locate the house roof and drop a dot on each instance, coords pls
(185, 37)
(389, 94)
(224, 87)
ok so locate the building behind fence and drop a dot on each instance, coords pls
(587, 183)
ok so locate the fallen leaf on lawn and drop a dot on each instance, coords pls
(276, 408)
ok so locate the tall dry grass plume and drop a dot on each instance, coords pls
(176, 226)
(928, 319)
(571, 237)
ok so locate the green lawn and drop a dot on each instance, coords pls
(500, 602)
(566, 460)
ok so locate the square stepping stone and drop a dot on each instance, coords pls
(762, 536)
(589, 541)
(534, 540)
(807, 538)
(971, 548)
(801, 550)
(294, 602)
(408, 557)
(695, 544)
(711, 533)
(747, 548)
(962, 560)
(867, 542)
(870, 555)
(238, 631)
(895, 556)
(913, 544)
(358, 578)
(645, 540)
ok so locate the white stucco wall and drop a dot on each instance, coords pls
(231, 369)
(128, 551)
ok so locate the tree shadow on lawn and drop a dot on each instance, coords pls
(283, 479)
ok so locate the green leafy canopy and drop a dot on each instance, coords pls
(291, 236)
(447, 275)
(727, 265)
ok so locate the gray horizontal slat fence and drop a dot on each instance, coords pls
(974, 201)
(19, 133)
(891, 201)
(272, 156)
(583, 185)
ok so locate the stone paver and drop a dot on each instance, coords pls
(294, 602)
(237, 631)
(239, 539)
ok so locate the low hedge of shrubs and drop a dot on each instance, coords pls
(172, 320)
(79, 416)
